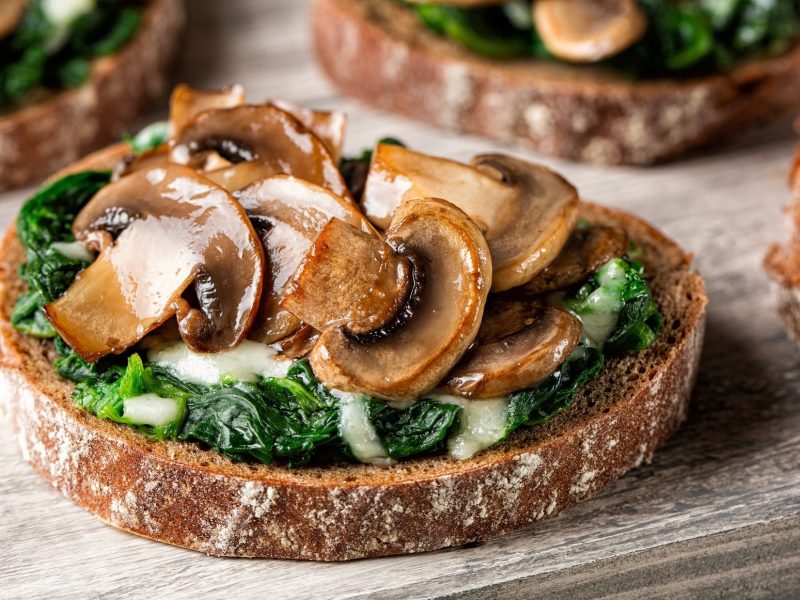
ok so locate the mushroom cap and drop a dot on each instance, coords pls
(328, 125)
(289, 213)
(521, 343)
(415, 357)
(588, 30)
(171, 243)
(349, 278)
(186, 103)
(265, 133)
(586, 250)
(526, 211)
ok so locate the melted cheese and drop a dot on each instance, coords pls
(73, 250)
(482, 424)
(357, 431)
(150, 409)
(247, 362)
(62, 13)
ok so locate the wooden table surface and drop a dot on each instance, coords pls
(716, 514)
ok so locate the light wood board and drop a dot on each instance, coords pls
(728, 480)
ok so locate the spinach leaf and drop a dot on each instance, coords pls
(47, 218)
(150, 137)
(422, 427)
(105, 395)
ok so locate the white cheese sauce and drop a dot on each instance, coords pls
(150, 409)
(73, 250)
(357, 430)
(249, 361)
(482, 424)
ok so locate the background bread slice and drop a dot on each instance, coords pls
(377, 51)
(183, 495)
(783, 261)
(37, 139)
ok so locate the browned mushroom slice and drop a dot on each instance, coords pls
(171, 243)
(349, 278)
(187, 102)
(328, 125)
(299, 344)
(588, 30)
(525, 210)
(586, 250)
(521, 343)
(289, 213)
(413, 359)
(11, 12)
(264, 133)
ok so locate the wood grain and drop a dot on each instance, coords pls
(731, 470)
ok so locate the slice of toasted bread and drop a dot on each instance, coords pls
(39, 138)
(379, 52)
(178, 493)
(783, 261)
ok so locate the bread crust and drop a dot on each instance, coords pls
(578, 112)
(39, 138)
(175, 492)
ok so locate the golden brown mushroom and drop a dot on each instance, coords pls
(171, 243)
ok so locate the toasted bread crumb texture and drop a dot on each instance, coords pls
(582, 113)
(36, 140)
(178, 493)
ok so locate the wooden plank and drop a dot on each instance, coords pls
(732, 468)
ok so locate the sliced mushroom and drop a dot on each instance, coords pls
(289, 213)
(414, 358)
(170, 243)
(186, 103)
(521, 343)
(585, 252)
(588, 30)
(264, 133)
(11, 12)
(362, 282)
(525, 210)
(299, 344)
(328, 126)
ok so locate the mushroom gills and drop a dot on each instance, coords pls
(413, 359)
(586, 250)
(353, 279)
(185, 248)
(525, 211)
(521, 343)
(288, 213)
(586, 31)
(264, 133)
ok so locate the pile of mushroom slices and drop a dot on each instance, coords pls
(242, 228)
(577, 31)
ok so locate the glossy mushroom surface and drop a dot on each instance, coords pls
(262, 133)
(585, 31)
(520, 344)
(288, 214)
(586, 250)
(349, 278)
(187, 102)
(525, 210)
(170, 243)
(415, 357)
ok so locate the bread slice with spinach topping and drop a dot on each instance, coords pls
(193, 496)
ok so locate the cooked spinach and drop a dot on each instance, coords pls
(105, 395)
(689, 37)
(38, 54)
(422, 427)
(47, 218)
(150, 137)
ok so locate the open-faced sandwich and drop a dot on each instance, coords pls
(607, 81)
(74, 74)
(783, 261)
(234, 341)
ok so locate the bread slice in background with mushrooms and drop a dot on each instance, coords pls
(611, 82)
(783, 260)
(53, 112)
(218, 324)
